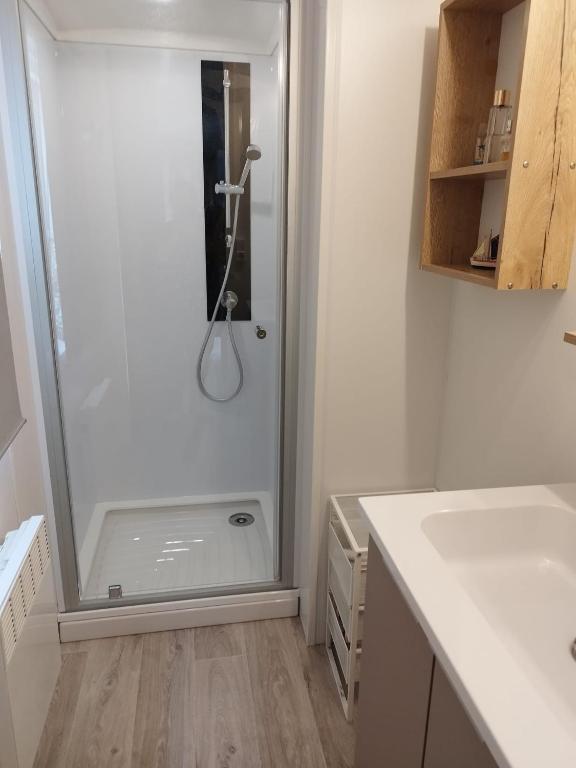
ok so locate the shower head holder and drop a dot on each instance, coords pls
(223, 188)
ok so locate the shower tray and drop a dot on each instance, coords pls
(162, 545)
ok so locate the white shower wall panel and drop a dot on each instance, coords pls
(119, 131)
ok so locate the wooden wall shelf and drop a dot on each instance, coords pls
(487, 171)
(570, 337)
(470, 274)
(539, 180)
(492, 6)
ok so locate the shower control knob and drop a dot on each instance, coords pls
(261, 333)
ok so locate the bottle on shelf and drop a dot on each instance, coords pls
(480, 144)
(499, 134)
(506, 143)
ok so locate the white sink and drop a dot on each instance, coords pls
(519, 567)
(491, 576)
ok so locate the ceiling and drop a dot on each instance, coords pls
(242, 26)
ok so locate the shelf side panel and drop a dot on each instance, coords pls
(534, 234)
(560, 240)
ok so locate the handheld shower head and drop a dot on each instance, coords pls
(253, 152)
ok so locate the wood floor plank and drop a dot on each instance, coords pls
(287, 733)
(219, 642)
(57, 731)
(78, 646)
(241, 696)
(224, 715)
(336, 734)
(164, 728)
(103, 725)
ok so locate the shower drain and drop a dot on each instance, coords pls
(241, 519)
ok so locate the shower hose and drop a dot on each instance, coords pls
(199, 378)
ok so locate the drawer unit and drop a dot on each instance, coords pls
(347, 569)
(343, 607)
(344, 664)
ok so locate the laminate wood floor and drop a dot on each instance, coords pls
(236, 696)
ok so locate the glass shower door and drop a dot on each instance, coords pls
(137, 110)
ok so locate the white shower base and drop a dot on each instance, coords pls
(162, 545)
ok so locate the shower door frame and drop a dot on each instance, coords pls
(20, 118)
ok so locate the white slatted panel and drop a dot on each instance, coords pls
(21, 597)
(28, 584)
(18, 607)
(36, 562)
(8, 634)
(44, 546)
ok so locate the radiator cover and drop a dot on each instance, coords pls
(29, 642)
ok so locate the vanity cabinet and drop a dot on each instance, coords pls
(408, 713)
(451, 740)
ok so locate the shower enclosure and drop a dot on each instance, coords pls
(167, 454)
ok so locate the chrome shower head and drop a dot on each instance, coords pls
(253, 152)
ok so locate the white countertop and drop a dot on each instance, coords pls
(523, 707)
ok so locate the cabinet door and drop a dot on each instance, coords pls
(451, 741)
(395, 678)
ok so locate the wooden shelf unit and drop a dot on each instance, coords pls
(539, 212)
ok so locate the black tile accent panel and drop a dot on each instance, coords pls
(215, 205)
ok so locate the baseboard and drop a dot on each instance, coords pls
(159, 617)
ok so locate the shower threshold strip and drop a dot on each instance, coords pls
(178, 614)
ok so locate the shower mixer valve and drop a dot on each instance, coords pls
(229, 300)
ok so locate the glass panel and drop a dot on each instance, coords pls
(170, 490)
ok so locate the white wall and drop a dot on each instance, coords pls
(387, 321)
(382, 324)
(119, 139)
(23, 468)
(419, 380)
(311, 48)
(510, 410)
(8, 506)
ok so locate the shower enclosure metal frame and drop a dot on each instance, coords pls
(12, 43)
